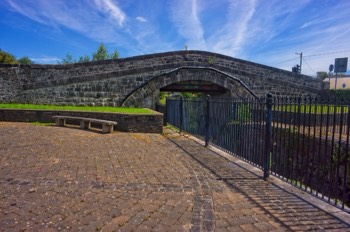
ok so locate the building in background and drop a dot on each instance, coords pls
(343, 82)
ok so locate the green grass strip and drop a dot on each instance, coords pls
(108, 109)
(42, 123)
(311, 108)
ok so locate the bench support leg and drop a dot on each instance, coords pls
(107, 128)
(84, 124)
(60, 121)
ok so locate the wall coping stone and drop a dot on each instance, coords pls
(149, 56)
(127, 122)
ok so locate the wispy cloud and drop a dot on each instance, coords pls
(231, 38)
(112, 10)
(185, 16)
(141, 19)
(304, 27)
(79, 16)
(261, 31)
(45, 60)
(27, 11)
(99, 20)
(227, 37)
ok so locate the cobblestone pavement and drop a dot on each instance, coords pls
(54, 179)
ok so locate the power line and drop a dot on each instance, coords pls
(308, 65)
(287, 61)
(328, 53)
(320, 54)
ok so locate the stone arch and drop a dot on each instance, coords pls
(128, 81)
(229, 82)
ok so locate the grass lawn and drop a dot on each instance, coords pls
(318, 109)
(78, 108)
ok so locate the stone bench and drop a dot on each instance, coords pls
(85, 123)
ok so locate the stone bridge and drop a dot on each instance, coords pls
(137, 81)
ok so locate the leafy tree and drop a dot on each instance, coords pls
(85, 58)
(101, 53)
(68, 59)
(114, 55)
(186, 95)
(7, 58)
(322, 75)
(189, 95)
(25, 60)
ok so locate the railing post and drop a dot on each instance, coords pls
(268, 136)
(207, 132)
(165, 113)
(181, 113)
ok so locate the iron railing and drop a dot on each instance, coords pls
(303, 141)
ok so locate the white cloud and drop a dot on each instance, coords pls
(112, 10)
(103, 24)
(45, 60)
(266, 32)
(27, 11)
(279, 29)
(230, 39)
(141, 19)
(185, 15)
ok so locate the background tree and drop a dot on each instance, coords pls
(321, 75)
(85, 58)
(25, 60)
(114, 55)
(68, 59)
(7, 58)
(101, 53)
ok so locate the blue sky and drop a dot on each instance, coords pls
(269, 32)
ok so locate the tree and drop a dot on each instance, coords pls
(7, 58)
(85, 58)
(101, 53)
(321, 75)
(25, 60)
(189, 95)
(68, 59)
(114, 55)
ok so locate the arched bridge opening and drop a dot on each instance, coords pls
(195, 86)
(205, 80)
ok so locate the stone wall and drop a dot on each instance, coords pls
(110, 82)
(143, 123)
(9, 82)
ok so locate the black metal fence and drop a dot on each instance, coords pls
(303, 141)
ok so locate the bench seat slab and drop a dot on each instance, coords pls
(85, 123)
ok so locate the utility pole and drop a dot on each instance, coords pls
(301, 60)
(331, 67)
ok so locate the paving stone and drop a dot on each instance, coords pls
(235, 228)
(264, 226)
(221, 223)
(68, 179)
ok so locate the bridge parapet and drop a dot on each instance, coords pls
(109, 82)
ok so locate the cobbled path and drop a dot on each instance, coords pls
(64, 179)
